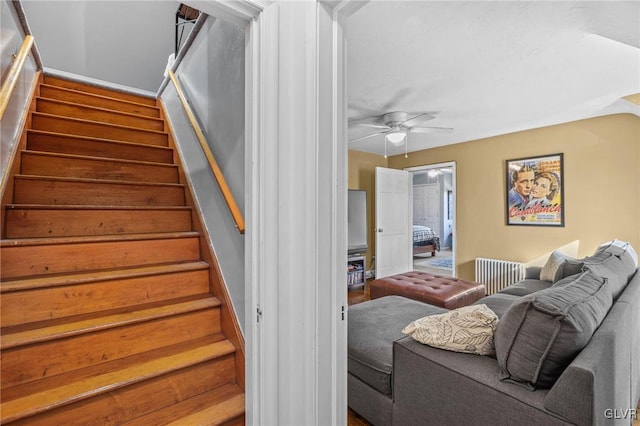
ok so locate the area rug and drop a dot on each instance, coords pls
(445, 263)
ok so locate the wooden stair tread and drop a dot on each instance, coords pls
(99, 96)
(215, 414)
(79, 278)
(96, 181)
(98, 159)
(91, 207)
(83, 127)
(98, 114)
(95, 139)
(80, 120)
(86, 87)
(200, 408)
(42, 334)
(88, 387)
(95, 239)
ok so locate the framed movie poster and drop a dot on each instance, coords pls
(535, 194)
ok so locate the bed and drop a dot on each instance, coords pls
(425, 240)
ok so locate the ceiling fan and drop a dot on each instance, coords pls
(397, 125)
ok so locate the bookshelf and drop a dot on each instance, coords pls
(355, 272)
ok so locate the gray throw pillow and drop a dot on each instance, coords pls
(550, 269)
(559, 266)
(540, 334)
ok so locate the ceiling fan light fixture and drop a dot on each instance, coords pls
(396, 137)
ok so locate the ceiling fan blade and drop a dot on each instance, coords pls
(367, 136)
(398, 97)
(375, 126)
(441, 130)
(421, 118)
(375, 119)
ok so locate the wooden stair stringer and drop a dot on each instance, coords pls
(229, 320)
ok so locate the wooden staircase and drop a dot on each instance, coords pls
(109, 312)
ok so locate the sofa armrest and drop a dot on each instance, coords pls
(532, 272)
(603, 372)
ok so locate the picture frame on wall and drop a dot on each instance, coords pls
(535, 191)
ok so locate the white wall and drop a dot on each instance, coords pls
(124, 42)
(11, 38)
(212, 75)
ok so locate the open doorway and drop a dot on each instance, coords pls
(433, 218)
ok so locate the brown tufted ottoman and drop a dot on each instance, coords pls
(446, 292)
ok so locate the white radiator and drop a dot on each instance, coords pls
(497, 274)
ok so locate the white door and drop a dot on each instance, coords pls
(432, 207)
(393, 222)
(426, 206)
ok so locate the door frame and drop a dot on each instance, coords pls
(296, 357)
(453, 166)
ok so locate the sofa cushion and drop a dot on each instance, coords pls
(524, 287)
(623, 251)
(541, 333)
(468, 329)
(373, 326)
(613, 261)
(498, 302)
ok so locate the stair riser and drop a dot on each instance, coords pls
(53, 81)
(208, 408)
(238, 421)
(34, 163)
(55, 107)
(97, 130)
(48, 359)
(22, 307)
(60, 192)
(98, 148)
(24, 261)
(36, 223)
(52, 92)
(129, 403)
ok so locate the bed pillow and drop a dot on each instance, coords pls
(540, 334)
(468, 329)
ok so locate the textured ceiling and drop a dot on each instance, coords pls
(490, 68)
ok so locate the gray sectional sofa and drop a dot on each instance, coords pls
(567, 352)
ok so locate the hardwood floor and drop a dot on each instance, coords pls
(359, 296)
(353, 419)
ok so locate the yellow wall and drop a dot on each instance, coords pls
(362, 175)
(601, 188)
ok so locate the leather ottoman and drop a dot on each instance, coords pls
(446, 292)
